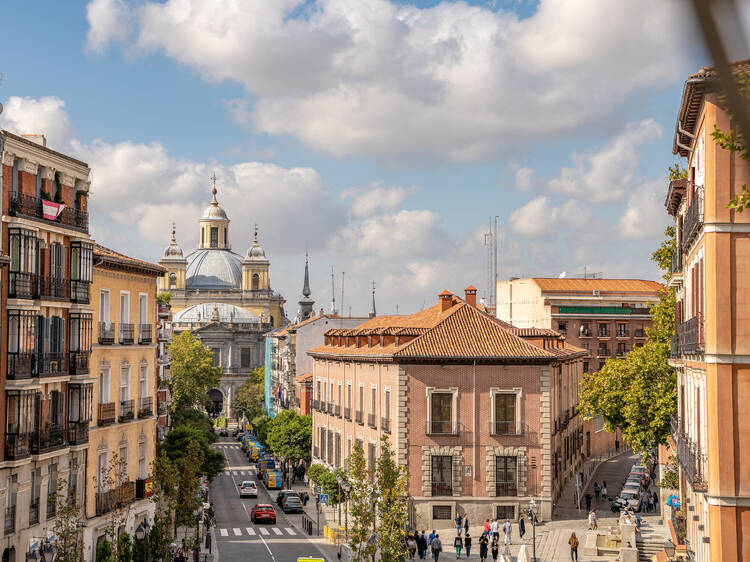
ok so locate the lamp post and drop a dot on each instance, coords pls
(669, 549)
(532, 515)
(140, 535)
(374, 537)
(344, 485)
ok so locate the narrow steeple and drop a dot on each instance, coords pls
(373, 313)
(306, 286)
(305, 302)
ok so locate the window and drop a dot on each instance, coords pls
(125, 308)
(57, 260)
(506, 512)
(373, 400)
(15, 174)
(349, 395)
(338, 402)
(143, 381)
(323, 443)
(104, 374)
(603, 331)
(442, 475)
(214, 237)
(104, 306)
(601, 365)
(598, 424)
(52, 491)
(622, 330)
(143, 309)
(39, 177)
(216, 357)
(79, 334)
(56, 408)
(142, 466)
(122, 463)
(102, 471)
(361, 398)
(371, 456)
(585, 366)
(56, 187)
(24, 250)
(387, 405)
(36, 484)
(562, 327)
(442, 512)
(621, 349)
(124, 382)
(246, 357)
(255, 282)
(338, 449)
(603, 350)
(585, 345)
(505, 414)
(73, 480)
(441, 412)
(505, 476)
(585, 330)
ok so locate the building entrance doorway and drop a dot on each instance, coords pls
(216, 402)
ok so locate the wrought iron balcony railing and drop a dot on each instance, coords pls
(691, 336)
(107, 333)
(347, 413)
(52, 364)
(17, 445)
(106, 413)
(79, 291)
(385, 424)
(674, 346)
(144, 333)
(45, 440)
(78, 433)
(441, 428)
(442, 489)
(54, 288)
(372, 421)
(22, 285)
(693, 220)
(10, 519)
(78, 361)
(111, 499)
(127, 410)
(676, 265)
(30, 206)
(127, 334)
(358, 416)
(145, 407)
(691, 457)
(21, 365)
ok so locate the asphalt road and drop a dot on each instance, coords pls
(239, 540)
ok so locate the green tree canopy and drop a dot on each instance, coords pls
(177, 442)
(290, 436)
(249, 400)
(197, 420)
(360, 504)
(192, 373)
(391, 484)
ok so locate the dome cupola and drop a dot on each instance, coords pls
(256, 251)
(214, 225)
(173, 250)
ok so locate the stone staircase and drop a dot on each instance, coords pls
(648, 541)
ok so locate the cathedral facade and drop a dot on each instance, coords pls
(224, 299)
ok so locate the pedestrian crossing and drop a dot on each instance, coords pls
(256, 532)
(227, 445)
(236, 473)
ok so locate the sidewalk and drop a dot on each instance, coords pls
(328, 551)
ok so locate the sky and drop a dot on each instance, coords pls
(378, 136)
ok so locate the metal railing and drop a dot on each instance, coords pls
(45, 440)
(10, 519)
(79, 291)
(107, 333)
(52, 364)
(145, 407)
(127, 334)
(111, 499)
(337, 410)
(78, 433)
(442, 489)
(639, 333)
(78, 361)
(584, 333)
(347, 413)
(690, 456)
(674, 346)
(506, 489)
(622, 333)
(51, 506)
(441, 428)
(22, 285)
(17, 445)
(385, 424)
(144, 333)
(691, 336)
(20, 365)
(105, 413)
(54, 288)
(30, 206)
(127, 410)
(676, 264)
(358, 415)
(315, 404)
(372, 421)
(603, 333)
(504, 428)
(693, 220)
(34, 512)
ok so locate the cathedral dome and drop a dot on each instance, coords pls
(215, 312)
(213, 269)
(213, 211)
(256, 251)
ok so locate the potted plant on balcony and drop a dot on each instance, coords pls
(129, 415)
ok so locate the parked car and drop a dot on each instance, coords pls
(631, 497)
(248, 489)
(292, 504)
(223, 432)
(283, 494)
(263, 512)
(633, 480)
(639, 468)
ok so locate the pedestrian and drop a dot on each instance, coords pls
(306, 480)
(592, 520)
(483, 544)
(588, 502)
(431, 538)
(467, 544)
(459, 524)
(437, 547)
(644, 501)
(487, 526)
(521, 526)
(411, 544)
(507, 529)
(656, 499)
(597, 490)
(495, 548)
(573, 542)
(459, 544)
(638, 521)
(422, 545)
(604, 490)
(466, 524)
(495, 528)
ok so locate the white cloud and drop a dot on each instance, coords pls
(644, 216)
(45, 116)
(539, 218)
(523, 178)
(606, 175)
(374, 198)
(373, 78)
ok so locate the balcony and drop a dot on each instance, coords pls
(34, 512)
(22, 285)
(10, 519)
(506, 489)
(441, 428)
(20, 366)
(52, 364)
(144, 333)
(127, 334)
(442, 489)
(78, 433)
(315, 404)
(602, 352)
(17, 445)
(111, 499)
(316, 452)
(78, 361)
(347, 413)
(676, 265)
(145, 407)
(358, 416)
(584, 333)
(691, 336)
(604, 333)
(504, 428)
(372, 421)
(385, 424)
(127, 410)
(107, 333)
(691, 458)
(622, 333)
(337, 410)
(329, 407)
(79, 292)
(20, 204)
(50, 439)
(53, 288)
(106, 413)
(693, 220)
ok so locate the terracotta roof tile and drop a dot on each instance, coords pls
(555, 284)
(116, 258)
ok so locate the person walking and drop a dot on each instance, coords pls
(495, 548)
(597, 490)
(573, 542)
(467, 543)
(592, 520)
(458, 544)
(422, 545)
(466, 524)
(507, 529)
(521, 526)
(411, 544)
(459, 524)
(431, 538)
(437, 547)
(495, 528)
(604, 490)
(588, 502)
(487, 526)
(483, 544)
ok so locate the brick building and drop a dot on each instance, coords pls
(711, 351)
(482, 414)
(606, 317)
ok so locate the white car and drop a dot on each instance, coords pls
(248, 489)
(632, 497)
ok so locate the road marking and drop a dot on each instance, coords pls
(237, 531)
(224, 532)
(290, 530)
(277, 531)
(268, 548)
(263, 531)
(250, 531)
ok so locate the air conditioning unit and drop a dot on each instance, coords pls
(596, 292)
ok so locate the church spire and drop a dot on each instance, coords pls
(306, 303)
(373, 312)
(306, 287)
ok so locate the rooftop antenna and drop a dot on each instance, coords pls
(491, 244)
(343, 273)
(333, 291)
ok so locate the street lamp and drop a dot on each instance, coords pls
(140, 534)
(532, 515)
(344, 485)
(669, 549)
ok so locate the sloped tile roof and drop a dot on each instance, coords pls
(111, 258)
(572, 285)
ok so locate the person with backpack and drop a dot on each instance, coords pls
(597, 490)
(507, 529)
(458, 544)
(573, 542)
(437, 547)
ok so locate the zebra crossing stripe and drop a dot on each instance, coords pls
(237, 532)
(277, 531)
(224, 532)
(250, 531)
(290, 530)
(263, 531)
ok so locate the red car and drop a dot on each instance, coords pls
(263, 512)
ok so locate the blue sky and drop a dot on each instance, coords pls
(378, 135)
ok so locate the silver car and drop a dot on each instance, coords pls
(248, 489)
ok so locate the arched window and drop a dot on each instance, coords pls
(172, 280)
(256, 282)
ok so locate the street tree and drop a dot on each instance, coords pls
(68, 527)
(113, 480)
(290, 437)
(192, 372)
(176, 445)
(249, 399)
(391, 489)
(188, 486)
(165, 477)
(361, 499)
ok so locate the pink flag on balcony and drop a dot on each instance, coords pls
(50, 210)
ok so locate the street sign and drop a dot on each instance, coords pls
(324, 498)
(320, 490)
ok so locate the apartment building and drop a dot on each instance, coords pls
(163, 361)
(711, 351)
(481, 414)
(46, 333)
(606, 317)
(124, 368)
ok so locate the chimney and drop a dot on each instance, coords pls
(446, 300)
(38, 139)
(470, 294)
